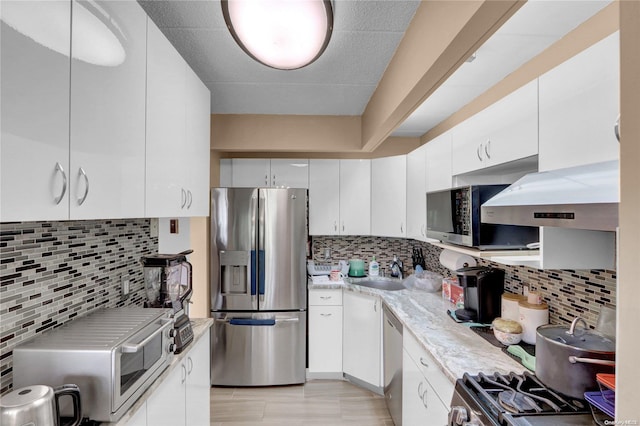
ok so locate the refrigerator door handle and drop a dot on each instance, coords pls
(257, 321)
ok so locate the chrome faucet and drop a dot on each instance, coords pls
(396, 267)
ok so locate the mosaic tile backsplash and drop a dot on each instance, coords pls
(569, 293)
(52, 272)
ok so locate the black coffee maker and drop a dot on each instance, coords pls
(483, 288)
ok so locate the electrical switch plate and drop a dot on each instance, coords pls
(153, 227)
(173, 226)
(124, 286)
(327, 253)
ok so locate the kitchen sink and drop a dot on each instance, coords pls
(380, 284)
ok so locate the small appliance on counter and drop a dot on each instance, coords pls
(483, 288)
(168, 284)
(38, 405)
(113, 356)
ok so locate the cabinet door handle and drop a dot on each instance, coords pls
(423, 362)
(183, 198)
(190, 198)
(325, 297)
(325, 315)
(422, 231)
(190, 369)
(184, 373)
(616, 128)
(266, 180)
(375, 306)
(335, 226)
(342, 226)
(487, 149)
(82, 173)
(274, 181)
(479, 152)
(420, 393)
(401, 228)
(60, 170)
(424, 398)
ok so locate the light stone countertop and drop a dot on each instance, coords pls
(455, 347)
(200, 328)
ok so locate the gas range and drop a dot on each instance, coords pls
(513, 399)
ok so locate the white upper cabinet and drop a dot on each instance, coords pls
(106, 175)
(389, 196)
(290, 173)
(438, 163)
(34, 151)
(276, 173)
(250, 172)
(166, 125)
(503, 132)
(355, 197)
(198, 144)
(178, 127)
(579, 107)
(416, 193)
(324, 197)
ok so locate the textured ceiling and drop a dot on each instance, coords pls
(365, 36)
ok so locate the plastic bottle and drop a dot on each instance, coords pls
(374, 268)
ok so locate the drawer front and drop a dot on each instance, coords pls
(428, 367)
(332, 297)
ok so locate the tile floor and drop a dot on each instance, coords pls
(317, 402)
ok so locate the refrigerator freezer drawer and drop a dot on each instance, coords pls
(258, 349)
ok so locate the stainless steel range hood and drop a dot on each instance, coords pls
(583, 197)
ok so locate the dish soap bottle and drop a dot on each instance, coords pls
(374, 268)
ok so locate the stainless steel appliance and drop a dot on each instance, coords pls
(483, 288)
(582, 197)
(258, 286)
(513, 399)
(113, 355)
(168, 284)
(392, 357)
(453, 216)
(38, 405)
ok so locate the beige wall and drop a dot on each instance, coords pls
(628, 292)
(441, 36)
(284, 133)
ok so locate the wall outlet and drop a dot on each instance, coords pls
(124, 287)
(173, 226)
(327, 253)
(153, 227)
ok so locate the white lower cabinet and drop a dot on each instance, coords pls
(140, 417)
(426, 391)
(183, 398)
(325, 331)
(362, 338)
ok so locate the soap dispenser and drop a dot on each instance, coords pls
(374, 268)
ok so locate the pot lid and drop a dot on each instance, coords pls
(25, 396)
(582, 339)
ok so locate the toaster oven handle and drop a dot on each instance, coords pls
(135, 347)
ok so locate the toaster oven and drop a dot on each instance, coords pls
(113, 355)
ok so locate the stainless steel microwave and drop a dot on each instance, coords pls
(453, 216)
(113, 355)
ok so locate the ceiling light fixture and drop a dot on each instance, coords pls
(281, 34)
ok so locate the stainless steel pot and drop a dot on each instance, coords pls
(568, 358)
(38, 406)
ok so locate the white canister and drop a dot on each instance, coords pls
(532, 316)
(510, 308)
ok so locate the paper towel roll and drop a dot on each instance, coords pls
(454, 260)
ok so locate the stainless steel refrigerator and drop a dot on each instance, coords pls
(258, 286)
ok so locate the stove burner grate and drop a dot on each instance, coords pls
(521, 394)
